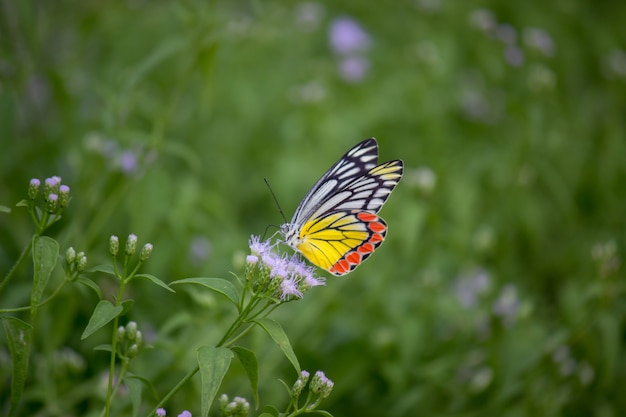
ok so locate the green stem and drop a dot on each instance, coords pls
(9, 275)
(174, 390)
(107, 406)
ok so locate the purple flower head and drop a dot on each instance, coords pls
(540, 40)
(64, 189)
(52, 182)
(279, 270)
(199, 249)
(185, 414)
(506, 34)
(160, 412)
(128, 162)
(311, 281)
(470, 287)
(288, 288)
(257, 247)
(53, 197)
(252, 259)
(35, 182)
(353, 68)
(347, 36)
(514, 56)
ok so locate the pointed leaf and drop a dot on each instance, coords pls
(104, 313)
(90, 284)
(251, 365)
(45, 255)
(5, 209)
(19, 339)
(276, 332)
(22, 203)
(105, 347)
(106, 269)
(213, 363)
(218, 285)
(155, 280)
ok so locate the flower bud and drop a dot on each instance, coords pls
(132, 350)
(33, 188)
(131, 244)
(321, 385)
(70, 255)
(51, 185)
(131, 330)
(52, 203)
(64, 196)
(145, 252)
(81, 262)
(114, 245)
(139, 338)
(299, 385)
(121, 332)
(223, 402)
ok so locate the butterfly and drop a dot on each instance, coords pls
(336, 225)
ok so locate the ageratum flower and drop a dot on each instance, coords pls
(347, 36)
(279, 276)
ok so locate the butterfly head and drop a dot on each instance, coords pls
(290, 235)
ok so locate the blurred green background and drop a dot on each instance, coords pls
(500, 290)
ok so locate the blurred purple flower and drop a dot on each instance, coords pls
(506, 34)
(353, 68)
(199, 249)
(347, 36)
(308, 15)
(507, 305)
(470, 287)
(128, 162)
(483, 19)
(540, 40)
(514, 56)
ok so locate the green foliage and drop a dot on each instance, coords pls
(500, 288)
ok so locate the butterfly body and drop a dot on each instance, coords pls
(336, 225)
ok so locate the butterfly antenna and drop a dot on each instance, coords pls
(280, 210)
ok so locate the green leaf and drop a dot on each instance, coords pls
(321, 412)
(103, 314)
(251, 365)
(19, 338)
(22, 203)
(270, 411)
(90, 284)
(5, 209)
(218, 285)
(213, 363)
(154, 280)
(146, 382)
(45, 255)
(276, 332)
(105, 347)
(126, 306)
(134, 391)
(106, 269)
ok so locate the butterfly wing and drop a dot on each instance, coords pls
(336, 226)
(354, 164)
(341, 240)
